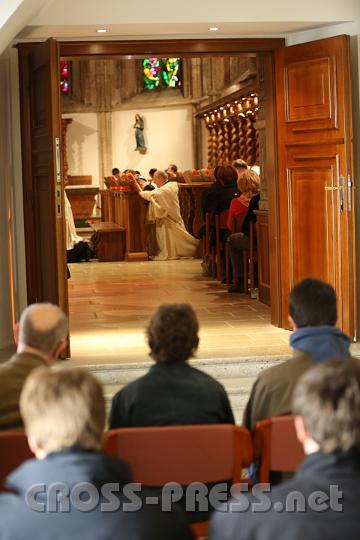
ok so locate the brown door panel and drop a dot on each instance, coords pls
(42, 179)
(314, 164)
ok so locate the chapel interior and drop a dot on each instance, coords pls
(199, 112)
(202, 112)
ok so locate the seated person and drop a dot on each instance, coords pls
(112, 181)
(322, 500)
(172, 238)
(240, 165)
(215, 200)
(72, 490)
(313, 316)
(218, 197)
(172, 170)
(41, 337)
(151, 184)
(248, 184)
(172, 392)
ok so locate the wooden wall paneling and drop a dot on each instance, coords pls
(269, 174)
(262, 225)
(182, 47)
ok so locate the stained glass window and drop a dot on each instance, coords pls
(171, 69)
(161, 73)
(151, 67)
(64, 77)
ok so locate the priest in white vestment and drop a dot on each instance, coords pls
(172, 238)
(72, 237)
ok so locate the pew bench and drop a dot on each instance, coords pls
(108, 241)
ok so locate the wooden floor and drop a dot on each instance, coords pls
(111, 303)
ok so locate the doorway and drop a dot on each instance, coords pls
(266, 49)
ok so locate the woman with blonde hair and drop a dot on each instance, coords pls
(249, 185)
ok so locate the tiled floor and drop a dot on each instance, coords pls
(111, 303)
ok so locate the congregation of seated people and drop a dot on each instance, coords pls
(62, 412)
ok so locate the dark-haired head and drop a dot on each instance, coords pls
(312, 302)
(226, 175)
(173, 333)
(152, 172)
(115, 171)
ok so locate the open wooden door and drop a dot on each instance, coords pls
(316, 183)
(42, 178)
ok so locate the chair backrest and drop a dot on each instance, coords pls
(182, 454)
(207, 234)
(237, 222)
(276, 446)
(221, 219)
(14, 449)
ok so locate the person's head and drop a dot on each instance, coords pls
(173, 333)
(115, 171)
(326, 405)
(62, 407)
(225, 175)
(172, 170)
(138, 117)
(43, 329)
(160, 178)
(152, 172)
(240, 165)
(216, 170)
(312, 302)
(248, 181)
(142, 181)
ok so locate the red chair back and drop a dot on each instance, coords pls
(276, 446)
(183, 454)
(14, 449)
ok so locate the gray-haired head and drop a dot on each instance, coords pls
(160, 178)
(43, 326)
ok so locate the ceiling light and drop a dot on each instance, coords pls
(101, 30)
(214, 28)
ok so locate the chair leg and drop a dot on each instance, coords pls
(245, 270)
(251, 273)
(213, 266)
(227, 264)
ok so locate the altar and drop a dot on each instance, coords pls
(83, 200)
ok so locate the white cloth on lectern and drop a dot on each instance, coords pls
(173, 239)
(71, 237)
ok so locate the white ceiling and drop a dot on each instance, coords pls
(117, 31)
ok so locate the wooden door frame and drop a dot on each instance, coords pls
(265, 47)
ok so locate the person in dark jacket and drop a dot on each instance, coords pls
(218, 197)
(322, 500)
(72, 490)
(172, 392)
(315, 339)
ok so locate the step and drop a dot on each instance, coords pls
(219, 368)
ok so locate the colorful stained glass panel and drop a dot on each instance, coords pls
(151, 70)
(64, 77)
(171, 72)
